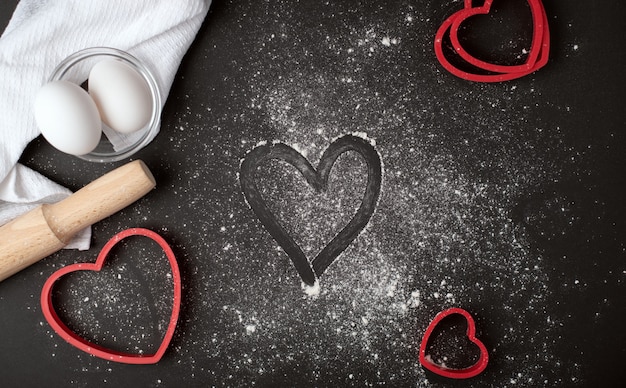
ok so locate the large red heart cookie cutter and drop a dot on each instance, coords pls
(537, 54)
(83, 344)
(441, 370)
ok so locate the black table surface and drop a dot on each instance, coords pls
(505, 199)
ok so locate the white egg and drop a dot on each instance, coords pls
(121, 94)
(67, 117)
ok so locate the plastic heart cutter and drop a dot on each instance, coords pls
(83, 344)
(537, 54)
(441, 370)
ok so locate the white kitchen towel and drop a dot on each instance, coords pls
(40, 34)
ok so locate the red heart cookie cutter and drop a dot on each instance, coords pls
(81, 343)
(464, 373)
(537, 55)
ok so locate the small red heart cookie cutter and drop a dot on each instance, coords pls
(81, 343)
(464, 373)
(537, 55)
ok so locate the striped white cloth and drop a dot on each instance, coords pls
(39, 35)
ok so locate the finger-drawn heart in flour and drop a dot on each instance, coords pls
(317, 178)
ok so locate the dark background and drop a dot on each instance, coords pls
(504, 199)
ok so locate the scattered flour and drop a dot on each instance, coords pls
(459, 158)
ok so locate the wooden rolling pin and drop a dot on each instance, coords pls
(48, 228)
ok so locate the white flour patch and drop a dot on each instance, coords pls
(443, 233)
(458, 160)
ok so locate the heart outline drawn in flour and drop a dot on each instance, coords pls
(454, 373)
(317, 178)
(96, 350)
(537, 54)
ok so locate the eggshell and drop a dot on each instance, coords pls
(121, 94)
(67, 117)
